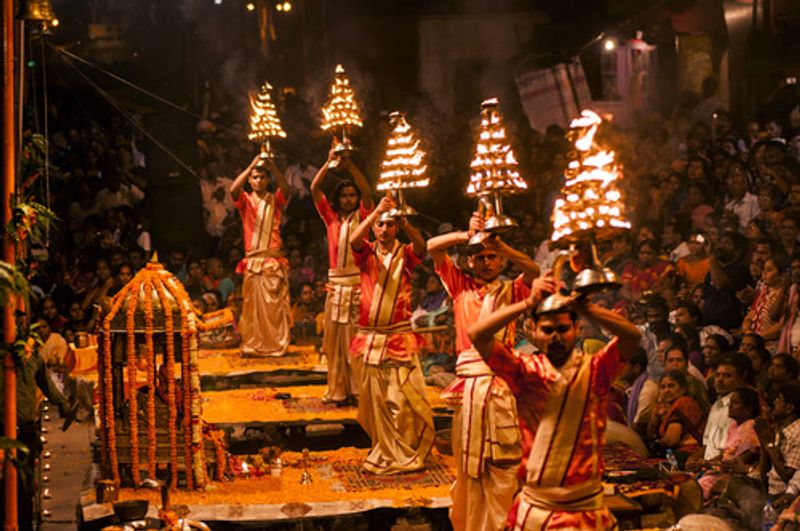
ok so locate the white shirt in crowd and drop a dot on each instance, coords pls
(745, 209)
(717, 427)
(299, 177)
(217, 208)
(127, 195)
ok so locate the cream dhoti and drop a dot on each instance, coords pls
(341, 316)
(264, 324)
(393, 407)
(486, 446)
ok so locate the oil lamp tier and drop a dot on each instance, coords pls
(494, 172)
(403, 165)
(590, 207)
(264, 122)
(341, 112)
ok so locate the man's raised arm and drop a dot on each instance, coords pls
(316, 184)
(362, 231)
(438, 245)
(482, 333)
(628, 335)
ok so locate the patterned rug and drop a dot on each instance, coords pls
(349, 473)
(634, 475)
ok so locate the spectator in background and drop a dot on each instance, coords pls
(726, 277)
(433, 308)
(195, 280)
(763, 316)
(304, 314)
(642, 391)
(693, 268)
(51, 314)
(176, 261)
(103, 282)
(116, 194)
(790, 324)
(741, 202)
(217, 278)
(782, 369)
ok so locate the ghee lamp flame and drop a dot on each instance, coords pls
(402, 166)
(494, 166)
(590, 199)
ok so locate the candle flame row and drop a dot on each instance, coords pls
(590, 201)
(402, 166)
(264, 121)
(493, 167)
(341, 109)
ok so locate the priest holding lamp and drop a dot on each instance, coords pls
(393, 406)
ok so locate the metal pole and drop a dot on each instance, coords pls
(9, 329)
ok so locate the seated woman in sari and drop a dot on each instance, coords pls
(645, 273)
(741, 451)
(678, 422)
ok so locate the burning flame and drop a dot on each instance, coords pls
(590, 199)
(264, 121)
(402, 166)
(494, 167)
(341, 109)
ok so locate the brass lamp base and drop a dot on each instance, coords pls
(554, 303)
(397, 212)
(490, 207)
(343, 149)
(592, 280)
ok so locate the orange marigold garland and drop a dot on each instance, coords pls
(198, 451)
(187, 406)
(169, 364)
(150, 360)
(177, 291)
(107, 393)
(133, 410)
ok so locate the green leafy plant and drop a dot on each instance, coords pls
(19, 460)
(30, 220)
(12, 282)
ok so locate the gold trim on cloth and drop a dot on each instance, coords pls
(344, 254)
(490, 429)
(343, 285)
(558, 430)
(262, 230)
(538, 503)
(258, 260)
(377, 339)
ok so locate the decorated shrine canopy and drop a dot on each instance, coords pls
(494, 167)
(341, 110)
(152, 322)
(590, 204)
(403, 165)
(264, 122)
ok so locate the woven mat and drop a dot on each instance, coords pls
(354, 479)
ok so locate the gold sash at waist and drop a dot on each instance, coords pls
(586, 496)
(256, 260)
(471, 364)
(265, 253)
(396, 328)
(342, 276)
(377, 338)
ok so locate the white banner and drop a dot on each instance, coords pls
(548, 97)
